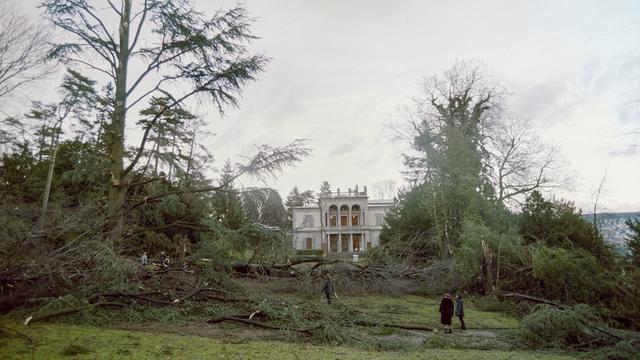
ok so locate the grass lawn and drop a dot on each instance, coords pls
(55, 341)
(420, 310)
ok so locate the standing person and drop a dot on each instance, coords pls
(446, 313)
(459, 312)
(143, 259)
(327, 289)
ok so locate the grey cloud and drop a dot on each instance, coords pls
(628, 151)
(539, 99)
(346, 148)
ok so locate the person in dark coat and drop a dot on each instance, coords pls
(459, 311)
(446, 313)
(327, 289)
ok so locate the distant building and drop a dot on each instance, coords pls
(346, 222)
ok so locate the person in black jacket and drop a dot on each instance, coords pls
(328, 289)
(446, 313)
(459, 311)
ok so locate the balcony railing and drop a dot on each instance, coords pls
(336, 227)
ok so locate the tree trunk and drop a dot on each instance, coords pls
(47, 187)
(117, 189)
(487, 265)
(173, 148)
(190, 160)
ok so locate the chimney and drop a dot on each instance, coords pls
(338, 189)
(357, 189)
(349, 191)
(365, 189)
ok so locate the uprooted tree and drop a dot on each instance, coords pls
(97, 188)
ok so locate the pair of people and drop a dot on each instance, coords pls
(163, 261)
(447, 310)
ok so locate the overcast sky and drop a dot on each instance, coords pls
(340, 70)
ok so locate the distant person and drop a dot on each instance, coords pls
(446, 313)
(143, 259)
(459, 311)
(164, 260)
(328, 289)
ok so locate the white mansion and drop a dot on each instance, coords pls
(341, 222)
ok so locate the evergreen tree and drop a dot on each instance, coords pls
(169, 133)
(297, 198)
(558, 224)
(177, 50)
(450, 124)
(264, 206)
(633, 240)
(274, 213)
(227, 207)
(78, 95)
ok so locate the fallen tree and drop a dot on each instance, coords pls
(530, 298)
(70, 310)
(248, 320)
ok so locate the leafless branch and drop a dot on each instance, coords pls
(23, 52)
(520, 162)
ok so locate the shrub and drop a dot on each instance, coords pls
(576, 327)
(624, 350)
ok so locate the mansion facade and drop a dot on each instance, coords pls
(341, 222)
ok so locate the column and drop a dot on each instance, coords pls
(338, 219)
(351, 242)
(339, 243)
(327, 248)
(364, 242)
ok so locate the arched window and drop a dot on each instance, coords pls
(344, 215)
(355, 215)
(333, 215)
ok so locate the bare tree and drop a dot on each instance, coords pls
(385, 189)
(520, 162)
(23, 51)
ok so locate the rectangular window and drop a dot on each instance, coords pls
(354, 219)
(333, 243)
(309, 243)
(343, 220)
(344, 241)
(333, 220)
(379, 219)
(307, 221)
(356, 242)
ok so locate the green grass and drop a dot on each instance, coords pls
(167, 333)
(420, 310)
(52, 341)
